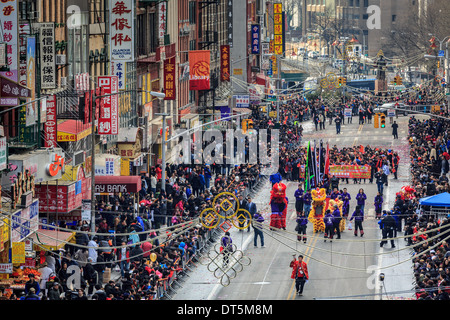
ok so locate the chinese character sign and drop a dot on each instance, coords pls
(108, 122)
(199, 69)
(255, 39)
(169, 79)
(278, 28)
(10, 32)
(48, 66)
(50, 124)
(225, 63)
(121, 29)
(162, 19)
(118, 69)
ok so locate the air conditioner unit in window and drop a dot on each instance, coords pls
(79, 158)
(60, 59)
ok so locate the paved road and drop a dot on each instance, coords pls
(343, 269)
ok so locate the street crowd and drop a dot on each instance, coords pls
(131, 231)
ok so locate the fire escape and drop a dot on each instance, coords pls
(208, 35)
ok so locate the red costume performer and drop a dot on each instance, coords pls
(278, 203)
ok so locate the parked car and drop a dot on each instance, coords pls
(313, 54)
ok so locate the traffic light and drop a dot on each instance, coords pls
(250, 124)
(244, 125)
(383, 120)
(340, 81)
(344, 81)
(398, 81)
(376, 123)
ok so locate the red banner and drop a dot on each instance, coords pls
(108, 122)
(350, 171)
(50, 125)
(169, 79)
(199, 69)
(225, 63)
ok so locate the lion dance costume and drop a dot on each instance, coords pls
(278, 204)
(320, 204)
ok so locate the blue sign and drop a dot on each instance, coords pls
(256, 39)
(441, 53)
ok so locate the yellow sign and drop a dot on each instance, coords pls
(18, 252)
(68, 137)
(237, 72)
(124, 167)
(278, 28)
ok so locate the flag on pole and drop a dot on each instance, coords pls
(327, 160)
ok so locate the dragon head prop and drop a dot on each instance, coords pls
(278, 191)
(318, 194)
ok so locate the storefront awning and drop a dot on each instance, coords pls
(262, 79)
(73, 130)
(112, 184)
(51, 239)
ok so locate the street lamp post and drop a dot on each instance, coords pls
(364, 48)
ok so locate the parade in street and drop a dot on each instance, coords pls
(224, 150)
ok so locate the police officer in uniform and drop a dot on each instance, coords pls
(387, 225)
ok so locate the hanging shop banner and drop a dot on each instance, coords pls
(169, 79)
(118, 69)
(256, 39)
(199, 69)
(10, 32)
(24, 222)
(18, 252)
(225, 63)
(162, 19)
(47, 45)
(50, 126)
(121, 30)
(11, 89)
(108, 122)
(32, 113)
(3, 153)
(278, 28)
(230, 23)
(350, 171)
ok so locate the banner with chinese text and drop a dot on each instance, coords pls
(350, 171)
(108, 122)
(50, 125)
(121, 30)
(169, 79)
(199, 69)
(278, 28)
(225, 63)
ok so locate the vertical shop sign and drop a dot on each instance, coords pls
(50, 124)
(108, 122)
(255, 39)
(169, 79)
(225, 63)
(48, 66)
(278, 28)
(121, 26)
(162, 21)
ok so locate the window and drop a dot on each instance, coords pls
(394, 17)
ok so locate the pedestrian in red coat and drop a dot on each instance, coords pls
(299, 273)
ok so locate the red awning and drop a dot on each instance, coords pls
(73, 126)
(123, 184)
(262, 79)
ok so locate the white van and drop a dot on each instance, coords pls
(387, 106)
